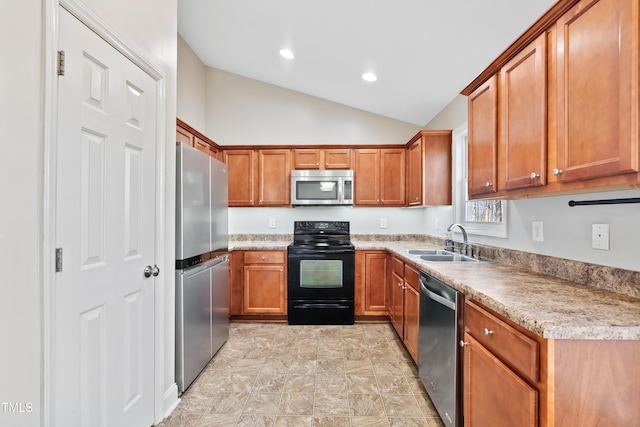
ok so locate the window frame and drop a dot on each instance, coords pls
(460, 193)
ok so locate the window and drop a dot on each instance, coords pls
(480, 217)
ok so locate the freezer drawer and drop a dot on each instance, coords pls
(202, 317)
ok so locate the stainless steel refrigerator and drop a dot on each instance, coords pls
(202, 261)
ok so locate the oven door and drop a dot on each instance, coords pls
(321, 276)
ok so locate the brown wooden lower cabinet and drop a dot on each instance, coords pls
(404, 303)
(371, 297)
(411, 313)
(258, 283)
(515, 378)
(495, 396)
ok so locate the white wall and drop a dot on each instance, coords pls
(363, 220)
(191, 105)
(244, 111)
(151, 26)
(20, 216)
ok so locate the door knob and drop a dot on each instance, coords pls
(534, 175)
(151, 271)
(488, 184)
(557, 172)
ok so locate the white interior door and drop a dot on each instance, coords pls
(103, 372)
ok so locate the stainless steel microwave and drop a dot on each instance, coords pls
(321, 187)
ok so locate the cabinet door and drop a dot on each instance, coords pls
(375, 289)
(275, 177)
(241, 177)
(597, 84)
(367, 177)
(414, 173)
(411, 320)
(203, 146)
(523, 141)
(392, 170)
(437, 168)
(264, 289)
(337, 158)
(396, 306)
(483, 139)
(494, 395)
(306, 158)
(182, 135)
(236, 285)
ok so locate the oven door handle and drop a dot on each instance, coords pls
(311, 305)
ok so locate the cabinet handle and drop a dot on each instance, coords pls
(399, 284)
(280, 270)
(263, 258)
(463, 343)
(317, 164)
(534, 175)
(488, 332)
(488, 184)
(557, 172)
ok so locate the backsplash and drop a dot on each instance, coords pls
(626, 282)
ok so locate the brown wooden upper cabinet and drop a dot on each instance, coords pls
(274, 177)
(242, 167)
(522, 151)
(379, 177)
(429, 168)
(261, 173)
(190, 136)
(597, 63)
(557, 111)
(483, 140)
(319, 158)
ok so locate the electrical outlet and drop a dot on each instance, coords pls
(272, 223)
(537, 231)
(383, 222)
(436, 224)
(600, 236)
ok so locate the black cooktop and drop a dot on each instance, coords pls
(326, 235)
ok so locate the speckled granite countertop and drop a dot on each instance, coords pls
(547, 306)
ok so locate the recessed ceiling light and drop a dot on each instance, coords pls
(369, 77)
(286, 53)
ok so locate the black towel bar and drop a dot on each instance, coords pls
(605, 202)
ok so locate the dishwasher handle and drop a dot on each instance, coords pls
(437, 298)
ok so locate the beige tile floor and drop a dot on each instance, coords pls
(271, 374)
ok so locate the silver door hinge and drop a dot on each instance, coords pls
(58, 260)
(61, 62)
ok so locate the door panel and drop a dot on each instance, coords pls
(103, 370)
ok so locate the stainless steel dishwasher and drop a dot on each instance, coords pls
(438, 351)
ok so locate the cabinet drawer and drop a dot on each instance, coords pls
(412, 277)
(397, 266)
(510, 345)
(264, 257)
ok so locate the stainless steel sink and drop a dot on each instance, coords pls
(428, 252)
(448, 257)
(441, 255)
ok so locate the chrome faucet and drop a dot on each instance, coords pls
(466, 248)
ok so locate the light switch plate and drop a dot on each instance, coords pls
(600, 236)
(537, 231)
(383, 222)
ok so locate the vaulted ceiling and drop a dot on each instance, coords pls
(422, 51)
